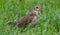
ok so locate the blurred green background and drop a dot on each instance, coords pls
(11, 10)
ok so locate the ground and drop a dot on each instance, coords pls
(11, 10)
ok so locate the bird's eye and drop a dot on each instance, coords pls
(37, 7)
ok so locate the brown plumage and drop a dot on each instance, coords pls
(30, 20)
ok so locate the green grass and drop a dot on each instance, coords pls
(11, 10)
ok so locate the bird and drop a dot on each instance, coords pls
(29, 20)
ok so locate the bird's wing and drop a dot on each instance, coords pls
(26, 20)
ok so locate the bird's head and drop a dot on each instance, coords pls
(37, 8)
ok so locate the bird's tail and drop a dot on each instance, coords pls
(9, 23)
(14, 22)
